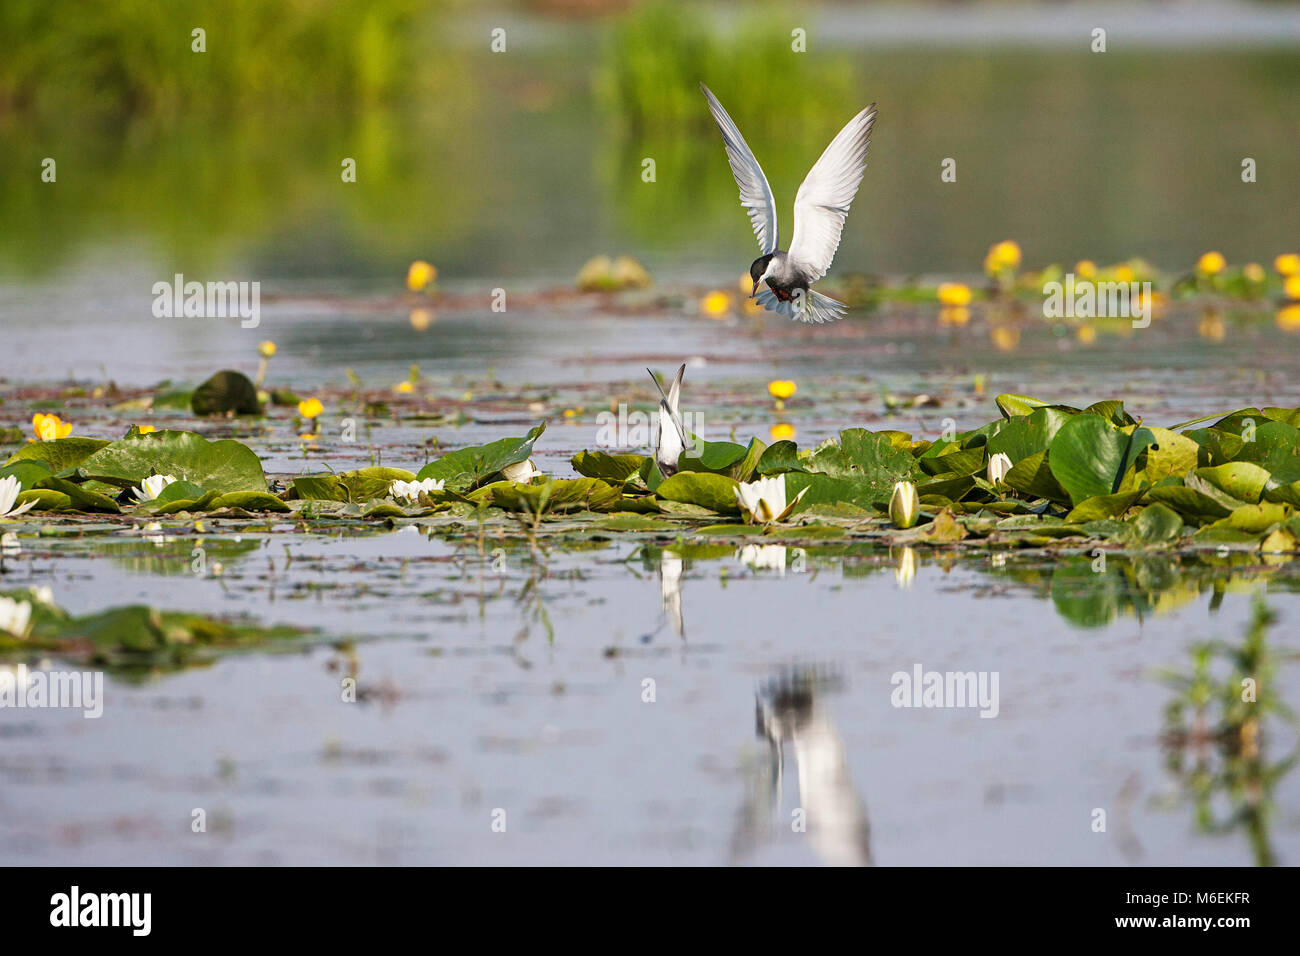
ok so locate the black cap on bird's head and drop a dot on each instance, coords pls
(756, 270)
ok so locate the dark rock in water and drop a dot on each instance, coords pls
(224, 393)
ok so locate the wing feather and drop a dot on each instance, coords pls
(755, 193)
(825, 195)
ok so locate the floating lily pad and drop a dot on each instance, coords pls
(219, 466)
(227, 392)
(470, 467)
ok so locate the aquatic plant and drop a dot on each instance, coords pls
(1219, 717)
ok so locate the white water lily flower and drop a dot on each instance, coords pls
(152, 487)
(520, 471)
(763, 557)
(999, 465)
(904, 505)
(764, 500)
(10, 487)
(14, 616)
(43, 595)
(411, 490)
(9, 543)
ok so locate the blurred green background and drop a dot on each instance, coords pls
(522, 164)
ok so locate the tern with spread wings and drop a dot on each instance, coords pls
(820, 208)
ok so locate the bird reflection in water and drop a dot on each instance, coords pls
(790, 708)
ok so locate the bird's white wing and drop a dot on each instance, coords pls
(822, 202)
(755, 193)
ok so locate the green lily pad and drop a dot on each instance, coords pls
(1091, 457)
(1240, 479)
(1012, 405)
(1157, 524)
(219, 466)
(366, 484)
(702, 489)
(616, 468)
(780, 457)
(250, 501)
(1189, 502)
(1104, 506)
(1171, 455)
(1033, 476)
(737, 462)
(226, 392)
(470, 467)
(1023, 436)
(1254, 519)
(59, 455)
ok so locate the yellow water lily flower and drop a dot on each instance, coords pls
(1211, 264)
(782, 388)
(782, 431)
(1292, 287)
(1287, 264)
(1087, 335)
(1005, 337)
(266, 349)
(145, 429)
(1002, 257)
(954, 293)
(1085, 269)
(421, 319)
(50, 427)
(1288, 317)
(1125, 273)
(405, 387)
(310, 408)
(716, 304)
(1254, 272)
(746, 285)
(420, 275)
